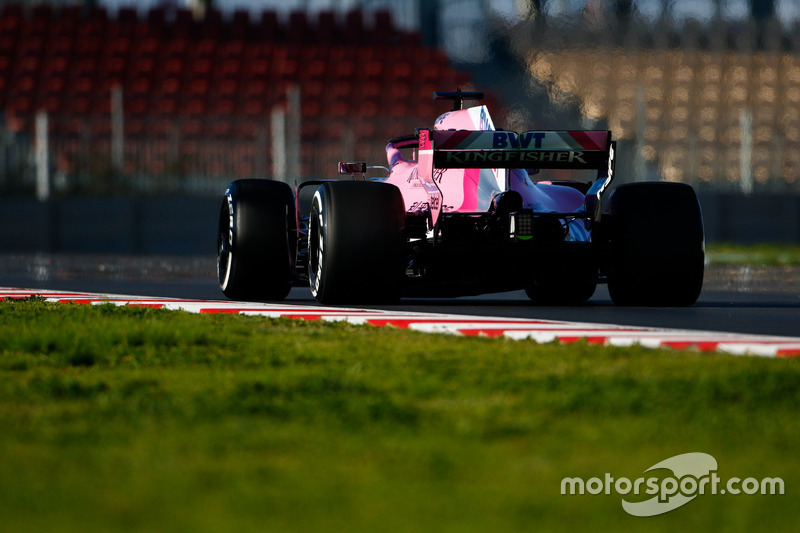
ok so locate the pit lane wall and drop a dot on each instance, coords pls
(188, 225)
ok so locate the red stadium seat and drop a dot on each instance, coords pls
(341, 89)
(298, 30)
(175, 48)
(183, 25)
(144, 67)
(223, 107)
(63, 26)
(254, 107)
(21, 104)
(101, 104)
(192, 128)
(161, 127)
(372, 70)
(247, 128)
(368, 109)
(400, 91)
(211, 25)
(204, 49)
(77, 105)
(232, 49)
(239, 27)
(119, 46)
(227, 88)
(41, 15)
(313, 91)
(166, 106)
(171, 68)
(369, 90)
(230, 68)
(194, 106)
(125, 23)
(220, 127)
(135, 127)
(31, 45)
(83, 85)
(28, 65)
(12, 18)
(8, 44)
(169, 88)
(315, 69)
(346, 70)
(269, 27)
(137, 105)
(54, 85)
(327, 30)
(201, 68)
(61, 45)
(257, 69)
(108, 83)
(139, 87)
(147, 47)
(156, 17)
(311, 109)
(257, 89)
(354, 27)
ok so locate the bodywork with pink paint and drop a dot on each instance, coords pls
(475, 220)
(466, 190)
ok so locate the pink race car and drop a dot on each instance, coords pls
(461, 213)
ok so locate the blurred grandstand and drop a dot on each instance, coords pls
(198, 96)
(713, 101)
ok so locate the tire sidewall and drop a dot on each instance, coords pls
(255, 256)
(356, 242)
(656, 245)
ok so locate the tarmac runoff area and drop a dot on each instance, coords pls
(90, 268)
(41, 271)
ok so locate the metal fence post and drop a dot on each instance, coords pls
(278, 126)
(42, 157)
(117, 132)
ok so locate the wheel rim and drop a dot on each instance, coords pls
(224, 245)
(316, 244)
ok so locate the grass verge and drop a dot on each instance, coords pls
(136, 419)
(755, 254)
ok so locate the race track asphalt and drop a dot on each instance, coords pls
(734, 299)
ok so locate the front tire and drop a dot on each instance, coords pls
(656, 245)
(254, 259)
(356, 242)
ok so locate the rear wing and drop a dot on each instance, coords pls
(588, 150)
(508, 149)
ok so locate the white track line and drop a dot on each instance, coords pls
(533, 329)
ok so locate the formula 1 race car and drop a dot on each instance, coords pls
(460, 214)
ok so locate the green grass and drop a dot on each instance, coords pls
(132, 419)
(756, 254)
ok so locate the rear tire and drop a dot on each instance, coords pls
(254, 259)
(356, 242)
(656, 245)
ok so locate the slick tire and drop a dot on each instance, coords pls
(254, 249)
(356, 245)
(656, 245)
